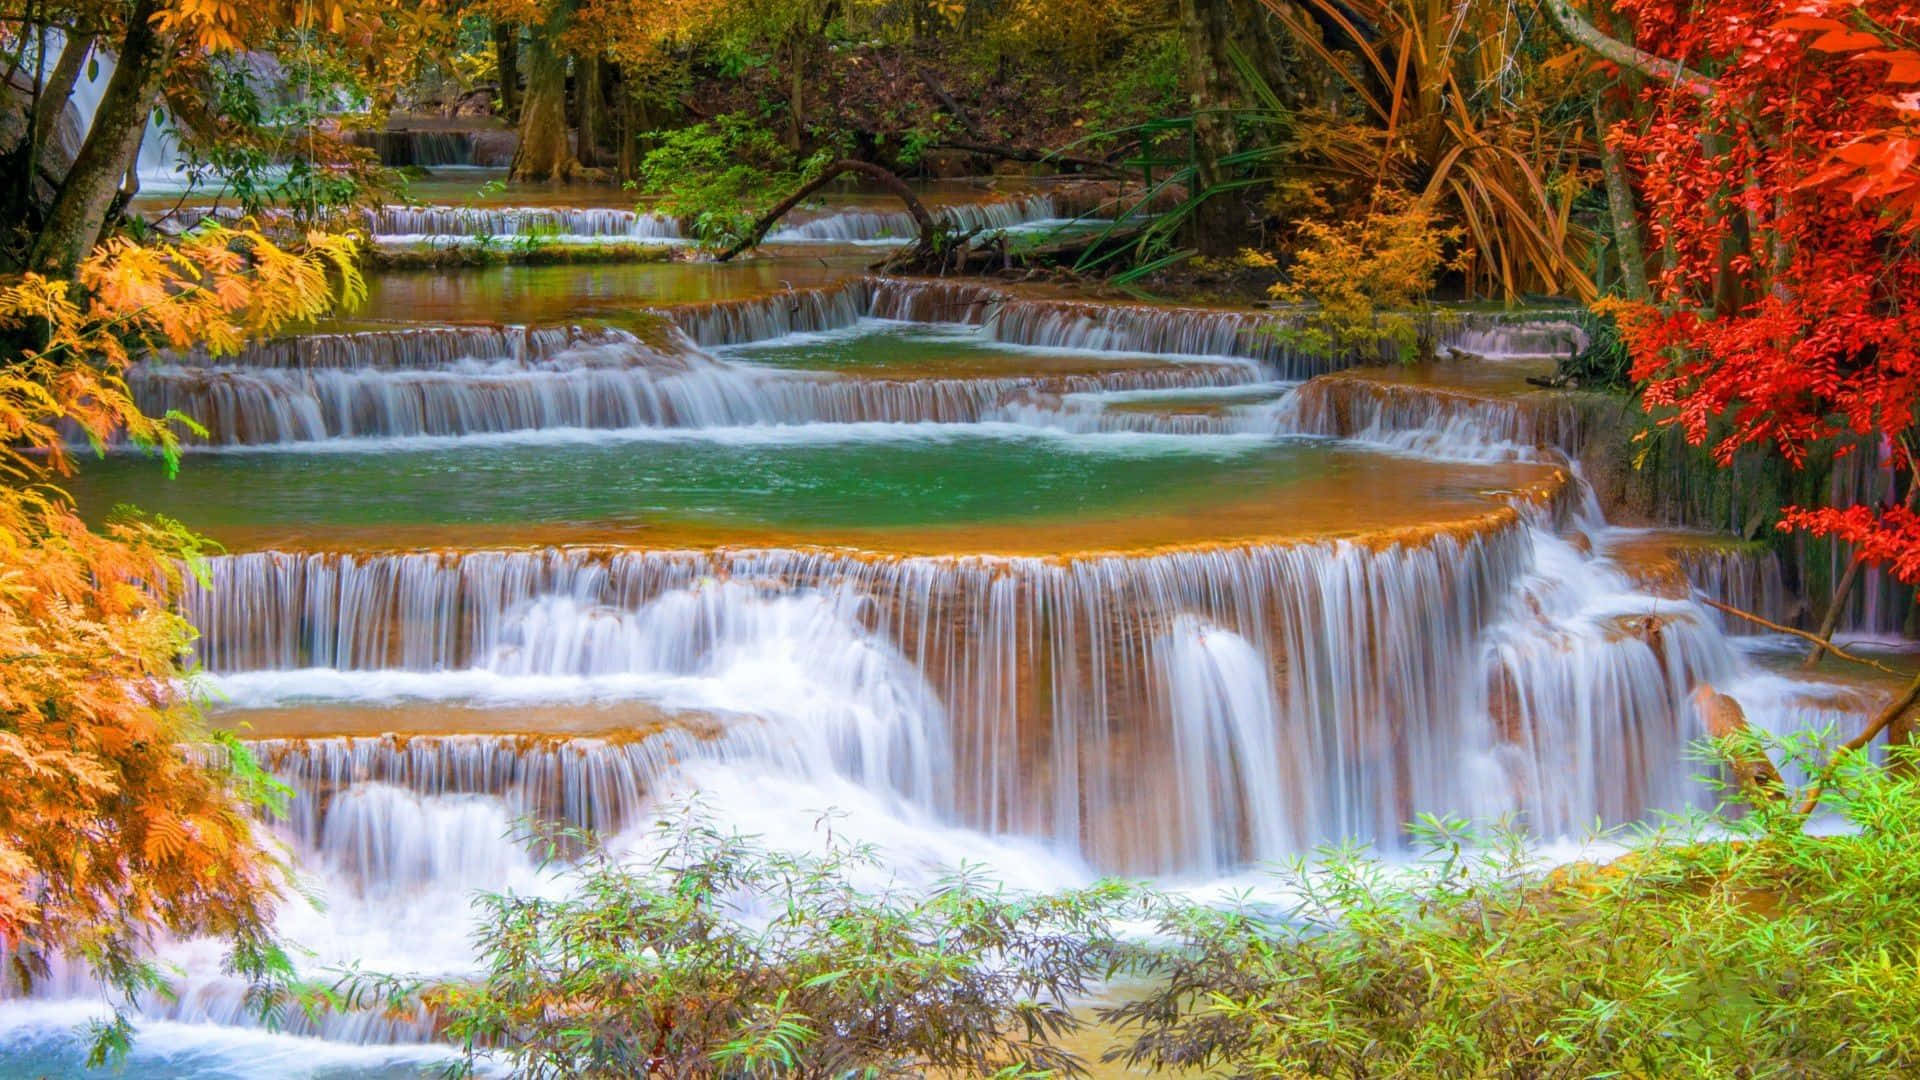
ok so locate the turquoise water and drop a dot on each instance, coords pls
(874, 476)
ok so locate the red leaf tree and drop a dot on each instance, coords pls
(1778, 165)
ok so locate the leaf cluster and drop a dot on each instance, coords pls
(1368, 278)
(112, 832)
(1724, 945)
(716, 957)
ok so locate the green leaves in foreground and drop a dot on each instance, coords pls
(1718, 946)
(717, 957)
(1715, 947)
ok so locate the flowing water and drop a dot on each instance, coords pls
(1061, 587)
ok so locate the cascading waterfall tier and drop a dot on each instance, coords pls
(414, 347)
(406, 222)
(1743, 576)
(1305, 692)
(460, 381)
(1434, 421)
(1014, 319)
(859, 226)
(397, 223)
(418, 147)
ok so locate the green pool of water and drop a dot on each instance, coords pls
(879, 482)
(1090, 491)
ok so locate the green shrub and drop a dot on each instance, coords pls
(719, 958)
(1719, 946)
(1722, 944)
(715, 173)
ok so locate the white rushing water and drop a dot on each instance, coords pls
(400, 225)
(1184, 713)
(483, 381)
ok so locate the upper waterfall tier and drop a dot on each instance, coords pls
(454, 381)
(403, 224)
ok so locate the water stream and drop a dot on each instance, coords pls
(1067, 588)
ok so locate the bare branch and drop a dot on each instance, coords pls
(1575, 28)
(885, 177)
(1824, 644)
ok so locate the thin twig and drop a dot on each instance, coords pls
(1834, 649)
(1894, 710)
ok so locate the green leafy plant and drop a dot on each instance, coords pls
(713, 174)
(1729, 944)
(719, 958)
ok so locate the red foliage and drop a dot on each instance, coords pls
(1788, 200)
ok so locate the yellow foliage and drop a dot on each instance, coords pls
(1077, 27)
(112, 829)
(1366, 276)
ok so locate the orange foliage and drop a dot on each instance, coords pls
(111, 830)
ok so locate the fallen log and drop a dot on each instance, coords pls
(894, 185)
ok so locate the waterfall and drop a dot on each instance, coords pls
(1184, 712)
(1120, 328)
(868, 226)
(1502, 336)
(421, 148)
(461, 381)
(738, 322)
(1444, 671)
(1433, 422)
(1235, 780)
(1744, 577)
(409, 223)
(415, 347)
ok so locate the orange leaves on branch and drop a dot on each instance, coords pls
(111, 829)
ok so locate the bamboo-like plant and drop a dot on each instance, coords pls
(1441, 81)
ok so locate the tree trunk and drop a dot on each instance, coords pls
(543, 153)
(797, 95)
(59, 87)
(623, 156)
(80, 210)
(590, 84)
(1218, 224)
(1836, 607)
(506, 57)
(1626, 218)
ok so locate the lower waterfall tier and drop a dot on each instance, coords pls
(1182, 712)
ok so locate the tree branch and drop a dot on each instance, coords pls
(1823, 643)
(1575, 28)
(887, 179)
(1894, 711)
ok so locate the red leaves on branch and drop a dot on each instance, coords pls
(1787, 313)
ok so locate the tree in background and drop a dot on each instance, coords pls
(187, 57)
(1778, 165)
(113, 831)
